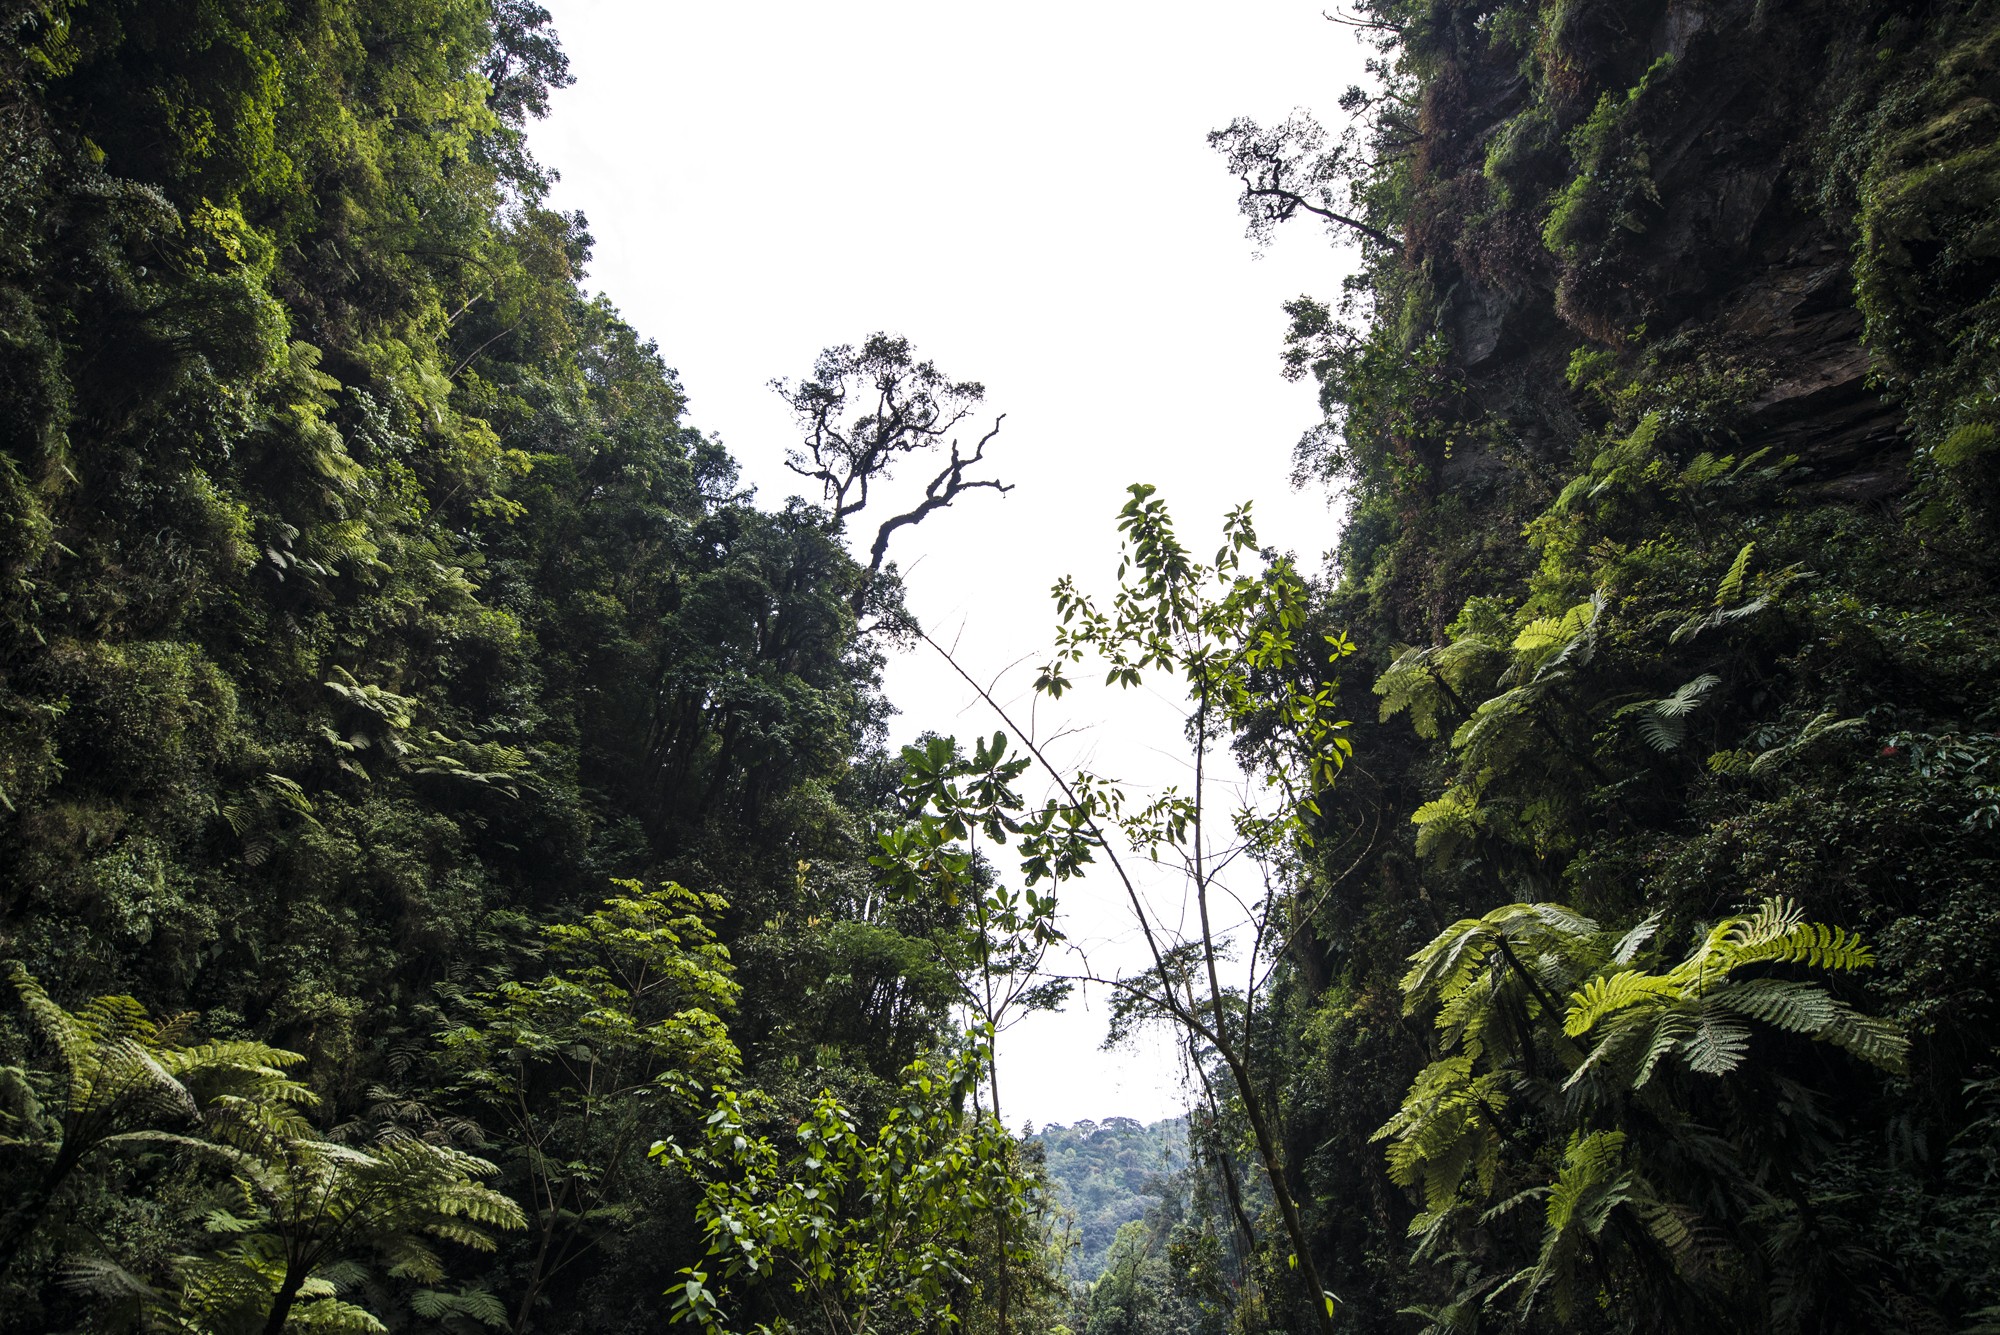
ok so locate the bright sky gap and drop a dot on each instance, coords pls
(1034, 205)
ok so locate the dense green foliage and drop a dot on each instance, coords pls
(369, 607)
(1662, 404)
(449, 876)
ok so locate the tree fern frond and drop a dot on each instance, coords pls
(1513, 1202)
(335, 1317)
(56, 1026)
(1630, 944)
(1732, 582)
(1876, 1041)
(1663, 732)
(1538, 635)
(1819, 728)
(1408, 683)
(1493, 716)
(1603, 996)
(1670, 1031)
(1801, 1008)
(1447, 819)
(1558, 918)
(1688, 696)
(101, 1277)
(409, 1259)
(1447, 960)
(1714, 1045)
(1591, 1162)
(1774, 919)
(473, 1304)
(1813, 944)
(1592, 1183)
(141, 1079)
(1610, 1055)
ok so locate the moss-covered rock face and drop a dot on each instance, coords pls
(1668, 428)
(1929, 259)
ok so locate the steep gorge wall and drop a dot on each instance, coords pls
(1693, 313)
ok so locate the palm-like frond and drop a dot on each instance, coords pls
(1732, 582)
(1511, 1062)
(1699, 1008)
(1663, 722)
(1624, 990)
(1593, 1182)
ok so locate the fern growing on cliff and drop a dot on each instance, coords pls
(1551, 1026)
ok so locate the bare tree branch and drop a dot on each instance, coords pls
(1295, 167)
(861, 412)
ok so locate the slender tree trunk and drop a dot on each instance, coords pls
(1005, 1313)
(1239, 1061)
(1267, 1147)
(281, 1304)
(1288, 1209)
(1231, 1190)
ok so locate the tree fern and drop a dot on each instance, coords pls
(1515, 1065)
(1663, 722)
(130, 1081)
(1594, 1181)
(309, 1206)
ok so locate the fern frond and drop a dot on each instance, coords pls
(1663, 722)
(1800, 1008)
(1445, 820)
(1408, 683)
(1670, 1031)
(1540, 634)
(1818, 729)
(1611, 1053)
(1603, 996)
(1590, 1162)
(1687, 697)
(1663, 732)
(1558, 918)
(1446, 960)
(101, 1277)
(55, 1026)
(335, 1317)
(1774, 918)
(1814, 944)
(1876, 1041)
(1715, 1044)
(1732, 583)
(1493, 719)
(473, 1304)
(1630, 944)
(1592, 1183)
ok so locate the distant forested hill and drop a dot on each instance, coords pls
(1108, 1174)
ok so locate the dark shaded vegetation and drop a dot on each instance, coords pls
(1663, 406)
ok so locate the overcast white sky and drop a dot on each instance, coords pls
(1024, 191)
